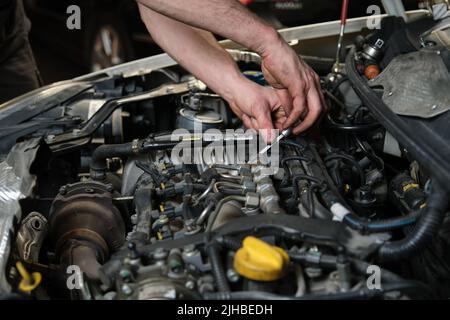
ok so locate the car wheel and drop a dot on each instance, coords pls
(109, 45)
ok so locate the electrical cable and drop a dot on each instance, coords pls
(350, 160)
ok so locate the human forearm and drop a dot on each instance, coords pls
(227, 18)
(198, 52)
(194, 50)
(297, 85)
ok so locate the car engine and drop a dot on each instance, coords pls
(145, 186)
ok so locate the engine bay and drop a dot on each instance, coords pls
(124, 204)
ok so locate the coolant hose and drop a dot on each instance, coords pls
(360, 224)
(98, 162)
(231, 243)
(104, 152)
(424, 231)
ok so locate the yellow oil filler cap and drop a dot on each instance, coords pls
(260, 261)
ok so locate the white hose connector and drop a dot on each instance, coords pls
(339, 212)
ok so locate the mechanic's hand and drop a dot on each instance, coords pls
(255, 105)
(296, 84)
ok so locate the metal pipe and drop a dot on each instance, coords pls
(206, 192)
(231, 185)
(205, 213)
(344, 15)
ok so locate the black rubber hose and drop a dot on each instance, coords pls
(98, 162)
(423, 233)
(217, 267)
(321, 260)
(231, 243)
(353, 128)
(370, 154)
(159, 145)
(316, 208)
(284, 161)
(299, 177)
(290, 143)
(351, 160)
(338, 83)
(319, 170)
(363, 225)
(387, 276)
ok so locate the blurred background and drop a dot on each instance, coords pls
(112, 32)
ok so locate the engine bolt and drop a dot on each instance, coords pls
(133, 253)
(126, 289)
(63, 190)
(110, 296)
(89, 190)
(189, 250)
(50, 138)
(190, 285)
(125, 274)
(232, 276)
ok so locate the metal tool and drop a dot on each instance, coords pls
(344, 15)
(286, 133)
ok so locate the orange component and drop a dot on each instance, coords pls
(372, 71)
